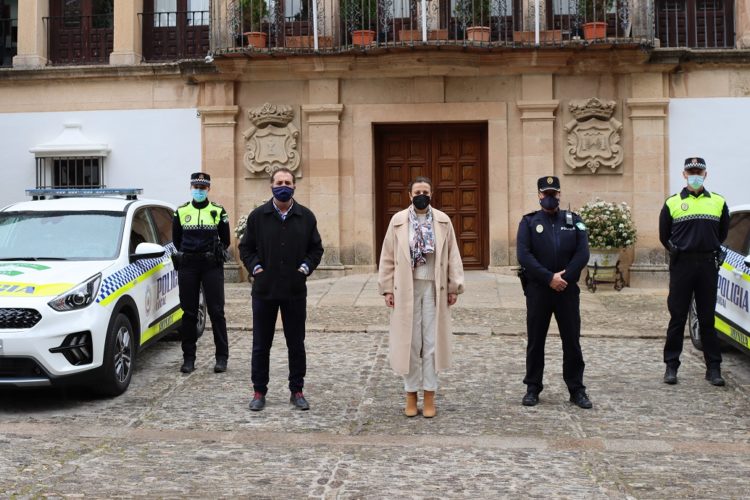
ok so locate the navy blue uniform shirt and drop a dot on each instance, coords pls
(546, 244)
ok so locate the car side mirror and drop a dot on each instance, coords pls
(147, 251)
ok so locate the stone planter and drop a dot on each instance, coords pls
(232, 272)
(416, 35)
(478, 33)
(603, 267)
(544, 36)
(308, 42)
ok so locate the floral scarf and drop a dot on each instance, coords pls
(423, 241)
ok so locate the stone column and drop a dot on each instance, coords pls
(221, 31)
(648, 120)
(324, 176)
(32, 34)
(218, 121)
(742, 17)
(128, 43)
(537, 122)
(322, 168)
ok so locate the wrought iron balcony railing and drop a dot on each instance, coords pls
(79, 39)
(336, 25)
(175, 35)
(8, 41)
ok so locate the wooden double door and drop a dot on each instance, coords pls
(454, 157)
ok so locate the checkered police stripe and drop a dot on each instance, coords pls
(695, 164)
(127, 277)
(208, 226)
(735, 259)
(686, 218)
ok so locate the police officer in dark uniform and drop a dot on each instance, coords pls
(200, 232)
(552, 249)
(692, 226)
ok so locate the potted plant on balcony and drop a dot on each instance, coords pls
(593, 15)
(610, 229)
(254, 13)
(474, 17)
(360, 17)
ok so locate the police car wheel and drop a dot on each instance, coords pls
(119, 356)
(694, 327)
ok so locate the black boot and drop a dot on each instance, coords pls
(188, 366)
(713, 375)
(670, 376)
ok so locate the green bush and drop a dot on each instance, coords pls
(608, 225)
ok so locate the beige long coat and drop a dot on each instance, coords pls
(395, 276)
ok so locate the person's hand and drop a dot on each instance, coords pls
(258, 272)
(452, 298)
(388, 299)
(558, 283)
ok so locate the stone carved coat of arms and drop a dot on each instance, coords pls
(593, 136)
(272, 141)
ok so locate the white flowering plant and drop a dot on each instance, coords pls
(609, 225)
(239, 229)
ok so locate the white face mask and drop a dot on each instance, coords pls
(695, 181)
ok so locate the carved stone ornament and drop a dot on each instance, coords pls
(594, 136)
(272, 141)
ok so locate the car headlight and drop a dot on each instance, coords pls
(78, 297)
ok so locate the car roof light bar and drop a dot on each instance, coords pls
(40, 194)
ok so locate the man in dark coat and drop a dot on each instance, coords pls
(281, 247)
(553, 248)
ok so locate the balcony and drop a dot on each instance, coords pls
(299, 26)
(8, 41)
(169, 36)
(79, 39)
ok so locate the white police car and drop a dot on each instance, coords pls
(86, 281)
(732, 319)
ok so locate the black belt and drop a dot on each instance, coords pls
(197, 255)
(697, 255)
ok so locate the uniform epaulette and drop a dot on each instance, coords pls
(530, 213)
(184, 205)
(217, 204)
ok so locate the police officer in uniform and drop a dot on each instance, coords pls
(692, 226)
(200, 232)
(552, 249)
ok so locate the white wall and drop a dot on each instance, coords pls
(715, 129)
(156, 150)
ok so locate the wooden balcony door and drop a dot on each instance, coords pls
(81, 31)
(454, 157)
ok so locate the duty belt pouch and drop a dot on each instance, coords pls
(524, 279)
(177, 259)
(720, 256)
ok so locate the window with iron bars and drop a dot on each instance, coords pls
(695, 23)
(70, 172)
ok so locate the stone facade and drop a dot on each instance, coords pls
(528, 99)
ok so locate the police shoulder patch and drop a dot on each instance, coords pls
(580, 225)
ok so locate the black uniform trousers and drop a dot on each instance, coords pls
(541, 303)
(194, 272)
(692, 275)
(293, 316)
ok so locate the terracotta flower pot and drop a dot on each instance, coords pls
(478, 33)
(256, 39)
(594, 31)
(362, 37)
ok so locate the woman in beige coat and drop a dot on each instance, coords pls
(420, 275)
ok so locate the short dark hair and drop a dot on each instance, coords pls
(283, 169)
(420, 178)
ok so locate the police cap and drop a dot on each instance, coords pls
(695, 162)
(547, 183)
(200, 179)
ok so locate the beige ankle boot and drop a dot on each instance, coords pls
(428, 409)
(411, 404)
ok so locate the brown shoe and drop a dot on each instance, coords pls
(428, 409)
(411, 404)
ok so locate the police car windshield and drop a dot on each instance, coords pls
(60, 235)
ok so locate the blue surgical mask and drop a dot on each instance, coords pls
(695, 181)
(199, 195)
(283, 193)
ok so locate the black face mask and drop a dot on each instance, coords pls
(421, 201)
(549, 202)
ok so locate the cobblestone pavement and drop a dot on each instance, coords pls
(176, 436)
